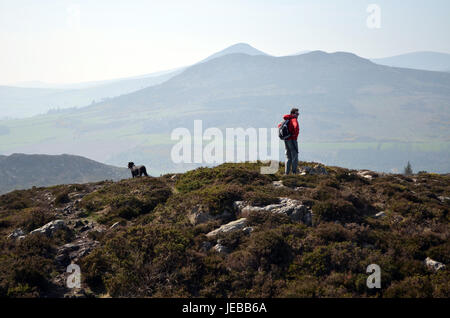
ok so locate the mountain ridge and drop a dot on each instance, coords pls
(342, 98)
(19, 171)
(423, 60)
(35, 100)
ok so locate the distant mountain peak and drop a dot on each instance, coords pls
(345, 57)
(241, 45)
(244, 48)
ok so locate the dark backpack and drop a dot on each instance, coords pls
(283, 130)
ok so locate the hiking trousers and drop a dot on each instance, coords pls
(291, 156)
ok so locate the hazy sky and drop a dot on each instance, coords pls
(74, 41)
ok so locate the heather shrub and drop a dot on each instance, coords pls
(34, 218)
(338, 210)
(141, 260)
(260, 198)
(239, 174)
(324, 193)
(158, 252)
(331, 232)
(127, 199)
(269, 248)
(441, 283)
(216, 198)
(62, 197)
(15, 200)
(25, 266)
(267, 220)
(410, 287)
(307, 286)
(293, 181)
(440, 252)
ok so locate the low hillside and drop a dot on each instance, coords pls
(21, 171)
(230, 231)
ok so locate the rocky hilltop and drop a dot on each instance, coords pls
(230, 231)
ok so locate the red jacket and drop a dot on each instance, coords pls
(293, 126)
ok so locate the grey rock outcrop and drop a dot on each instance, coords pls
(316, 170)
(76, 293)
(76, 195)
(247, 229)
(444, 199)
(199, 214)
(74, 250)
(367, 174)
(278, 184)
(229, 227)
(433, 265)
(380, 215)
(219, 248)
(49, 228)
(292, 208)
(17, 234)
(117, 224)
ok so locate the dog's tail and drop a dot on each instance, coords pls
(145, 172)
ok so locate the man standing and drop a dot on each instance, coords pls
(291, 142)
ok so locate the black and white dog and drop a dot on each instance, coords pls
(137, 171)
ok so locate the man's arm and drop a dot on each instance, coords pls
(296, 128)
